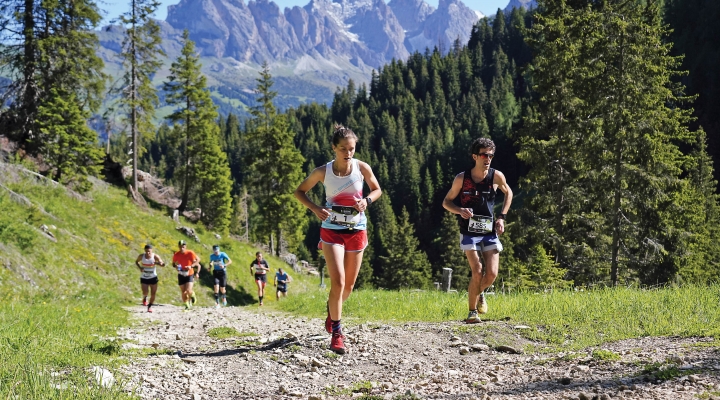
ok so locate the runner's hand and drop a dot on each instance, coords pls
(466, 213)
(360, 204)
(321, 213)
(500, 226)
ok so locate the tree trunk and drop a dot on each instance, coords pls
(29, 100)
(133, 90)
(186, 187)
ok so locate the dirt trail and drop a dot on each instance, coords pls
(280, 356)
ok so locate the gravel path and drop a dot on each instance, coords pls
(279, 356)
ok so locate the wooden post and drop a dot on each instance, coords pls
(446, 279)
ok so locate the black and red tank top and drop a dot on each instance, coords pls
(480, 197)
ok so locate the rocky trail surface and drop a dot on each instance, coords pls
(280, 356)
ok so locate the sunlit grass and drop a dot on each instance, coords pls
(48, 346)
(567, 319)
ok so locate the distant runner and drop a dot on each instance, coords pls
(259, 269)
(281, 281)
(147, 262)
(185, 261)
(218, 264)
(479, 229)
(343, 235)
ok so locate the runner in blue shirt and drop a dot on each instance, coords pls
(218, 264)
(281, 281)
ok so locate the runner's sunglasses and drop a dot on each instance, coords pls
(486, 155)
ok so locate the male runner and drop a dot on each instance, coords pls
(147, 263)
(479, 229)
(219, 262)
(281, 281)
(185, 261)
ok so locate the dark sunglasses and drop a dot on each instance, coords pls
(486, 155)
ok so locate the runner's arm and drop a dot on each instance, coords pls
(137, 262)
(317, 175)
(229, 261)
(373, 184)
(159, 261)
(499, 179)
(452, 194)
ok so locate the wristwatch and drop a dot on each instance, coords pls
(501, 216)
(368, 200)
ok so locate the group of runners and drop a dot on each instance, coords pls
(188, 268)
(343, 232)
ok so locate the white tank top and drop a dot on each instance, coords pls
(149, 270)
(341, 194)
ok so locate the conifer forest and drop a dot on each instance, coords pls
(605, 114)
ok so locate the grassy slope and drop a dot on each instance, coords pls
(560, 320)
(58, 300)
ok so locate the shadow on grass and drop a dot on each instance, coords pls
(235, 297)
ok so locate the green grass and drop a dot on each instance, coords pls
(61, 302)
(567, 320)
(223, 332)
(605, 355)
(46, 342)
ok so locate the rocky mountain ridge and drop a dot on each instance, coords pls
(366, 32)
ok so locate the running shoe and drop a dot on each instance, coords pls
(328, 321)
(145, 301)
(149, 309)
(217, 305)
(261, 303)
(482, 304)
(337, 344)
(187, 305)
(473, 317)
(194, 299)
(224, 302)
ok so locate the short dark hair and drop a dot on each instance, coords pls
(340, 132)
(481, 143)
(259, 253)
(148, 246)
(216, 246)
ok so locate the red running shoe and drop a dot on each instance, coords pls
(145, 301)
(149, 309)
(336, 343)
(328, 321)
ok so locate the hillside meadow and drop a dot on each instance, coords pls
(62, 301)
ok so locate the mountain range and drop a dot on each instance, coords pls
(311, 50)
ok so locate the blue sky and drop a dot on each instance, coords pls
(114, 8)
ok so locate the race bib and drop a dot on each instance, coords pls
(218, 264)
(344, 216)
(480, 224)
(148, 274)
(183, 272)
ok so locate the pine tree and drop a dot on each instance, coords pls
(140, 54)
(46, 45)
(205, 170)
(604, 149)
(70, 147)
(404, 265)
(447, 247)
(275, 169)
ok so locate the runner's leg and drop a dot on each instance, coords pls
(334, 258)
(144, 290)
(183, 292)
(153, 290)
(474, 287)
(492, 262)
(353, 261)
